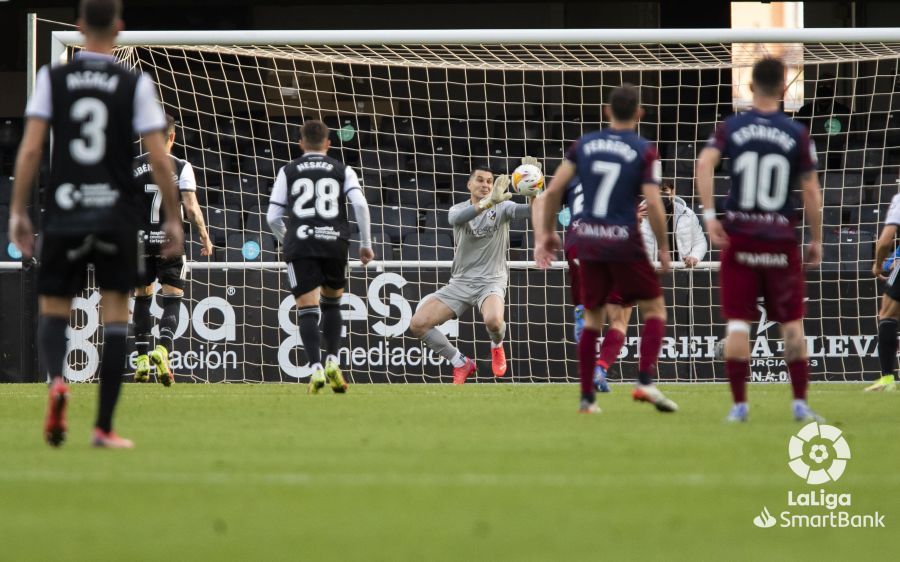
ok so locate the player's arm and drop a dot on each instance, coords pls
(656, 214)
(27, 163)
(706, 165)
(812, 207)
(187, 185)
(883, 247)
(357, 199)
(543, 212)
(277, 204)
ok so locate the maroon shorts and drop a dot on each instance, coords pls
(575, 283)
(619, 283)
(772, 269)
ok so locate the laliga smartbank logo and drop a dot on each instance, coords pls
(818, 454)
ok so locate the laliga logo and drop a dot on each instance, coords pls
(818, 453)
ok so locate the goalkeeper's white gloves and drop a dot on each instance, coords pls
(532, 160)
(497, 195)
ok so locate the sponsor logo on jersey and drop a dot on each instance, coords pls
(492, 214)
(759, 218)
(762, 259)
(601, 231)
(87, 195)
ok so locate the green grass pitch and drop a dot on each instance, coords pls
(432, 472)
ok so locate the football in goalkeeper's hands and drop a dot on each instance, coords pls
(528, 180)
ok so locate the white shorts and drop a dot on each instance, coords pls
(460, 296)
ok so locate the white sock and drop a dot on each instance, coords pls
(496, 344)
(332, 359)
(459, 360)
(316, 367)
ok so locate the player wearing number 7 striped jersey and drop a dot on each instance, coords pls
(308, 214)
(771, 157)
(168, 271)
(615, 166)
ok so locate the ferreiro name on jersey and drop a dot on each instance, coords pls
(623, 149)
(91, 79)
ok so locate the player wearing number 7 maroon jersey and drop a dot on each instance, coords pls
(615, 166)
(771, 156)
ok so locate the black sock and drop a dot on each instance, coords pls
(309, 333)
(887, 345)
(169, 321)
(331, 324)
(645, 378)
(52, 344)
(142, 323)
(112, 367)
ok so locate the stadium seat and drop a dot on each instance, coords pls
(382, 250)
(855, 248)
(4, 247)
(396, 223)
(427, 246)
(6, 184)
(222, 223)
(4, 218)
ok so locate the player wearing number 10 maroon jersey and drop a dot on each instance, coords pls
(771, 156)
(616, 166)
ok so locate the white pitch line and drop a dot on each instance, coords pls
(301, 479)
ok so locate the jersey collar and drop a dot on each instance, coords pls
(91, 55)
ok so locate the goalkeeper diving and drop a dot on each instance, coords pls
(479, 276)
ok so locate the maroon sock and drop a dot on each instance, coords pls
(651, 342)
(609, 349)
(587, 352)
(799, 377)
(738, 371)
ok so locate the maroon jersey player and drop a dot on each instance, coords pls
(772, 161)
(615, 166)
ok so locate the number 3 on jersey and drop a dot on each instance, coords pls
(325, 192)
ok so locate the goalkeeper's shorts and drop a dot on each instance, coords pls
(460, 296)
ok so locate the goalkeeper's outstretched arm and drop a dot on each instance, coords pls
(277, 204)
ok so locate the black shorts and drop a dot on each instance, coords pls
(892, 287)
(64, 260)
(167, 271)
(306, 274)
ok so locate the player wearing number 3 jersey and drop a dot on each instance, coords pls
(95, 108)
(771, 156)
(312, 192)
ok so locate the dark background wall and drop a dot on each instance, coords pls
(305, 14)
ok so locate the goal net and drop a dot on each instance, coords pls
(413, 112)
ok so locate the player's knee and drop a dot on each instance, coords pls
(794, 342)
(493, 322)
(419, 325)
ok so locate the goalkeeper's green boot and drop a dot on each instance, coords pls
(317, 380)
(142, 370)
(160, 359)
(335, 377)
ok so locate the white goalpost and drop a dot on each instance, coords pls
(413, 110)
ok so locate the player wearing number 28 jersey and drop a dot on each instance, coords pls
(771, 157)
(308, 214)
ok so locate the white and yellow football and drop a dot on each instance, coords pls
(528, 180)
